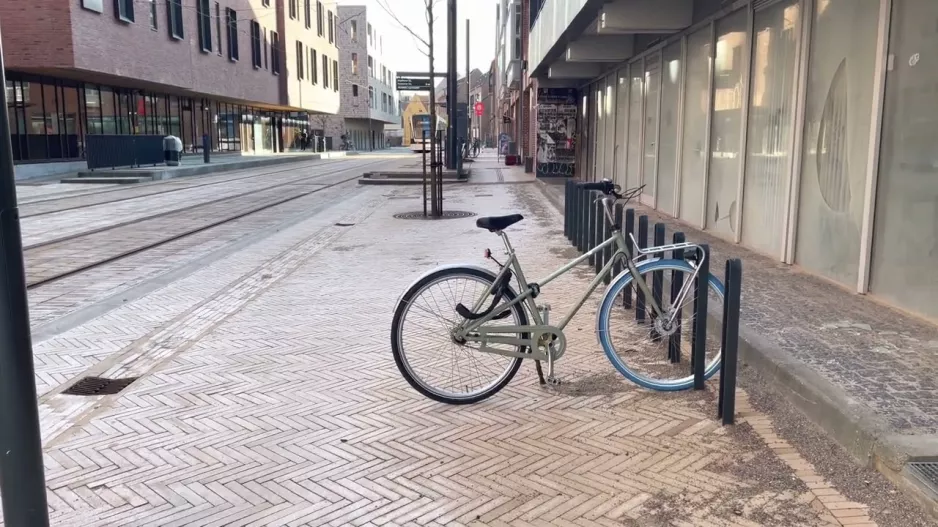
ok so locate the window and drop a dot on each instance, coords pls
(312, 64)
(174, 15)
(274, 53)
(371, 97)
(307, 15)
(218, 26)
(335, 75)
(353, 31)
(354, 63)
(331, 28)
(124, 10)
(299, 60)
(314, 71)
(516, 52)
(354, 90)
(371, 66)
(370, 36)
(265, 48)
(153, 24)
(205, 25)
(293, 9)
(319, 18)
(325, 71)
(256, 44)
(265, 3)
(232, 17)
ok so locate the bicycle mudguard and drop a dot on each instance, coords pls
(436, 269)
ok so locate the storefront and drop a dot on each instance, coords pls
(49, 119)
(801, 129)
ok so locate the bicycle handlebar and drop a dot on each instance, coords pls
(605, 186)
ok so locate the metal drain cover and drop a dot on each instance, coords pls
(447, 215)
(99, 386)
(926, 472)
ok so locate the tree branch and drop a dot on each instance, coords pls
(418, 38)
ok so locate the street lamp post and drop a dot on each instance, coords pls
(22, 479)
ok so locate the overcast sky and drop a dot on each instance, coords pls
(401, 49)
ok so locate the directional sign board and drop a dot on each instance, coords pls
(413, 84)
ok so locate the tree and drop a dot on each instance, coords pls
(425, 46)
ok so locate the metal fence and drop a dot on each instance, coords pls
(112, 151)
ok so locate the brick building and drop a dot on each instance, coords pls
(247, 73)
(366, 90)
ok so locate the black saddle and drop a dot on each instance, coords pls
(498, 223)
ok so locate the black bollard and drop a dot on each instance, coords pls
(701, 295)
(629, 229)
(567, 207)
(206, 148)
(677, 283)
(726, 405)
(617, 215)
(642, 243)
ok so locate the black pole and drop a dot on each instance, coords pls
(726, 405)
(629, 229)
(642, 244)
(22, 476)
(677, 282)
(451, 85)
(657, 279)
(424, 155)
(699, 346)
(468, 90)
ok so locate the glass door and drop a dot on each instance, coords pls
(650, 134)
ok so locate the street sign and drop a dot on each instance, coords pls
(480, 109)
(413, 84)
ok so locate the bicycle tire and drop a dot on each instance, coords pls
(397, 348)
(603, 332)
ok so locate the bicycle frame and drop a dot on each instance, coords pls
(469, 328)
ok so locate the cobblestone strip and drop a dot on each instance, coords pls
(62, 358)
(42, 229)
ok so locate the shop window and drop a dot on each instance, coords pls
(695, 133)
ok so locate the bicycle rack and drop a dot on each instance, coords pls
(585, 228)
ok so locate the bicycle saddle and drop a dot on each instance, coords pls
(498, 223)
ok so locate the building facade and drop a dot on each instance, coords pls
(512, 84)
(181, 67)
(368, 103)
(800, 129)
(482, 125)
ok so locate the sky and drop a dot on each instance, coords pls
(402, 54)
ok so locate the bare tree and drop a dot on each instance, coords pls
(425, 46)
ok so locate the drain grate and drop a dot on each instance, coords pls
(926, 472)
(447, 215)
(99, 386)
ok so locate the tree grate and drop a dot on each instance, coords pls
(447, 215)
(89, 386)
(926, 472)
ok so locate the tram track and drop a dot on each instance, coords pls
(133, 194)
(55, 260)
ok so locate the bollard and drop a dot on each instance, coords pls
(617, 266)
(206, 149)
(580, 220)
(629, 229)
(423, 154)
(642, 243)
(657, 279)
(677, 283)
(726, 405)
(701, 292)
(604, 255)
(567, 208)
(585, 215)
(598, 222)
(591, 233)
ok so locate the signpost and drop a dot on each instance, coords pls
(480, 109)
(413, 84)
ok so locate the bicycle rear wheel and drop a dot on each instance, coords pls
(428, 356)
(638, 345)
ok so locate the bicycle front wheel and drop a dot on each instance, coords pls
(430, 359)
(646, 349)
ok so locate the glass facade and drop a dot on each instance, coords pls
(761, 125)
(49, 119)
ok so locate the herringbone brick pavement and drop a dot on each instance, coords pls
(276, 402)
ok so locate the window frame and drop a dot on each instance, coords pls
(300, 66)
(256, 57)
(124, 11)
(231, 23)
(174, 17)
(204, 17)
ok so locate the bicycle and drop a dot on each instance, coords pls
(501, 336)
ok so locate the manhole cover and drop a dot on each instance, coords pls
(99, 386)
(447, 215)
(926, 472)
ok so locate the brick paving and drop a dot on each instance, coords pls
(269, 396)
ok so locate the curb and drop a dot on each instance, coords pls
(865, 436)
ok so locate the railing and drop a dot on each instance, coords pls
(585, 227)
(112, 151)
